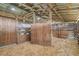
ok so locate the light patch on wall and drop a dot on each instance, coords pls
(13, 9)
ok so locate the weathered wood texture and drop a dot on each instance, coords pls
(7, 31)
(41, 34)
(22, 38)
(60, 34)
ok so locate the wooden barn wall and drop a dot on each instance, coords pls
(7, 31)
(40, 34)
(65, 30)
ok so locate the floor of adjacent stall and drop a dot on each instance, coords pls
(65, 47)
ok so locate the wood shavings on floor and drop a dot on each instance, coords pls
(60, 47)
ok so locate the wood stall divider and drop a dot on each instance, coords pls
(41, 34)
(8, 31)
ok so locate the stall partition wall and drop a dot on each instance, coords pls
(40, 34)
(7, 31)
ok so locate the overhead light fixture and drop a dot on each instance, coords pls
(38, 18)
(13, 9)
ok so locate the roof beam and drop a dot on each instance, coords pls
(6, 14)
(54, 10)
(76, 8)
(26, 6)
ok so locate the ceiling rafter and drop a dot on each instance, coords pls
(10, 15)
(75, 8)
(26, 6)
(59, 11)
(54, 10)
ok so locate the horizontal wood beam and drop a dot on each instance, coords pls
(9, 15)
(76, 8)
(26, 6)
(54, 10)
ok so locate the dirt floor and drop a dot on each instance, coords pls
(60, 47)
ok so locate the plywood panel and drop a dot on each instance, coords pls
(40, 34)
(8, 31)
(12, 31)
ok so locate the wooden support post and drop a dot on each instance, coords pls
(34, 17)
(16, 29)
(50, 17)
